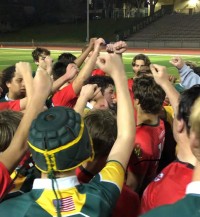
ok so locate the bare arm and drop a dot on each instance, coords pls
(71, 71)
(87, 93)
(88, 67)
(187, 75)
(79, 61)
(162, 78)
(123, 146)
(13, 154)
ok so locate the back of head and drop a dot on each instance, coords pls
(7, 76)
(59, 140)
(9, 122)
(102, 126)
(149, 94)
(102, 81)
(59, 69)
(38, 52)
(66, 57)
(187, 100)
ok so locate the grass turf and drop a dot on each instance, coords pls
(11, 56)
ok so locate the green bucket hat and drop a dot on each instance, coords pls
(59, 140)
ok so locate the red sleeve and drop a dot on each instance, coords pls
(5, 179)
(65, 97)
(13, 105)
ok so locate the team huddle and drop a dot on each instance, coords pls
(78, 138)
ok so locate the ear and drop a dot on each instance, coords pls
(8, 84)
(136, 102)
(195, 145)
(180, 125)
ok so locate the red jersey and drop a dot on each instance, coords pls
(128, 204)
(148, 146)
(65, 97)
(5, 179)
(98, 72)
(168, 187)
(12, 105)
(130, 86)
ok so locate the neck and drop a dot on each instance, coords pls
(196, 174)
(184, 152)
(95, 166)
(59, 174)
(144, 118)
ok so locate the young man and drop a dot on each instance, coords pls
(187, 74)
(42, 59)
(10, 158)
(179, 173)
(189, 205)
(106, 85)
(139, 62)
(150, 133)
(11, 80)
(68, 93)
(68, 145)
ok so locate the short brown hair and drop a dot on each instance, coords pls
(9, 122)
(102, 127)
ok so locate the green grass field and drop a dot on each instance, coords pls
(11, 56)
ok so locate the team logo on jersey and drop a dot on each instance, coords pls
(66, 204)
(138, 151)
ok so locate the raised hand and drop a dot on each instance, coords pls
(178, 62)
(159, 73)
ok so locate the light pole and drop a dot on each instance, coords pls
(88, 20)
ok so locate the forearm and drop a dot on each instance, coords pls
(12, 156)
(58, 83)
(188, 77)
(80, 105)
(172, 94)
(79, 61)
(123, 146)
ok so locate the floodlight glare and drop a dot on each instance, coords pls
(192, 3)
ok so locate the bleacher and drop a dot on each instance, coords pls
(174, 28)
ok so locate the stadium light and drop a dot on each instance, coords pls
(192, 3)
(88, 20)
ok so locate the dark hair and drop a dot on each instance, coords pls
(143, 57)
(197, 70)
(38, 52)
(102, 127)
(149, 94)
(187, 99)
(9, 122)
(59, 69)
(66, 57)
(7, 76)
(101, 81)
